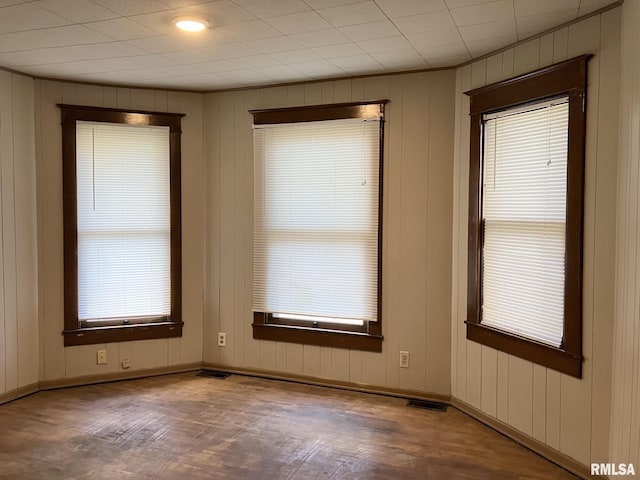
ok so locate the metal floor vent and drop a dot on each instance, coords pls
(213, 374)
(428, 405)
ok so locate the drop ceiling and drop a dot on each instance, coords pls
(260, 42)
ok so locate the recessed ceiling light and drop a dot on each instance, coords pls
(191, 24)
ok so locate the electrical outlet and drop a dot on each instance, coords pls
(404, 359)
(101, 357)
(222, 339)
(125, 363)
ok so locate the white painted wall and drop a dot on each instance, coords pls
(567, 414)
(625, 412)
(19, 350)
(416, 238)
(59, 362)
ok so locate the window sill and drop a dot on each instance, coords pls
(545, 355)
(318, 336)
(122, 333)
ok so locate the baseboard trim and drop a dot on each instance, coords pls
(19, 392)
(118, 376)
(526, 441)
(327, 382)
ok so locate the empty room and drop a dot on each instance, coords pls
(319, 239)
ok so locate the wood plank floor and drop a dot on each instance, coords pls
(190, 427)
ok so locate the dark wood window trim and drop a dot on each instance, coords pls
(74, 333)
(565, 78)
(369, 337)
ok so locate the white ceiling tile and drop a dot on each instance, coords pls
(337, 51)
(143, 61)
(137, 7)
(68, 54)
(220, 12)
(318, 68)
(429, 40)
(485, 13)
(400, 60)
(254, 61)
(298, 23)
(354, 14)
(263, 9)
(160, 22)
(295, 56)
(122, 29)
(112, 49)
(465, 3)
(538, 23)
(246, 31)
(329, 3)
(80, 11)
(191, 56)
(168, 71)
(30, 40)
(425, 22)
(159, 44)
(218, 66)
(525, 8)
(405, 8)
(274, 44)
(202, 39)
(28, 16)
(358, 64)
(185, 3)
(483, 46)
(484, 31)
(255, 42)
(319, 38)
(79, 34)
(384, 45)
(232, 50)
(456, 48)
(50, 37)
(369, 31)
(280, 73)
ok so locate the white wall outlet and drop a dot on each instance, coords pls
(404, 359)
(101, 357)
(125, 363)
(222, 339)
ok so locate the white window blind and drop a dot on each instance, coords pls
(123, 221)
(316, 219)
(524, 214)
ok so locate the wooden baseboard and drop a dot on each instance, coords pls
(19, 393)
(118, 376)
(326, 382)
(92, 379)
(531, 443)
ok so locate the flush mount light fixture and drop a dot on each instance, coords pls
(191, 24)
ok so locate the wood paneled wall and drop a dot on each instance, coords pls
(59, 362)
(625, 413)
(18, 248)
(567, 414)
(417, 232)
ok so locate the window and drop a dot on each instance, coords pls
(122, 258)
(317, 225)
(526, 182)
